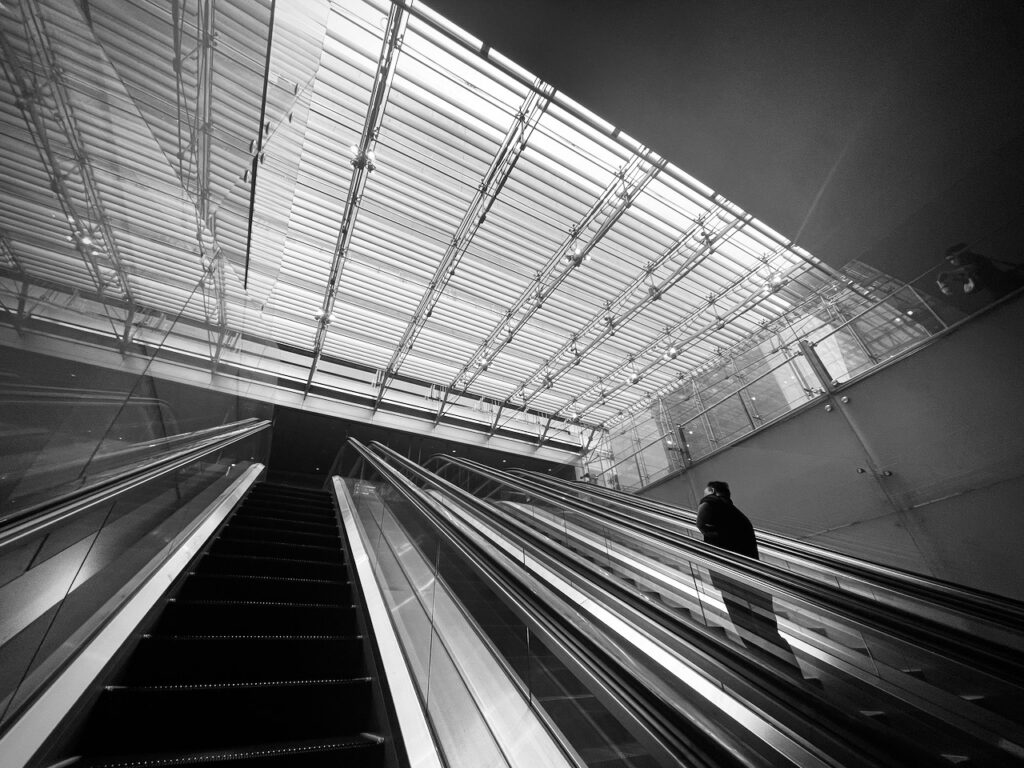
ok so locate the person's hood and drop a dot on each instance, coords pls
(713, 498)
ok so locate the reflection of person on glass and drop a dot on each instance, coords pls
(750, 609)
(974, 272)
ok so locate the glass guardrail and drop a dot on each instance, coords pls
(444, 617)
(62, 579)
(995, 619)
(800, 633)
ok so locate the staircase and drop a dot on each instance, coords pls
(256, 659)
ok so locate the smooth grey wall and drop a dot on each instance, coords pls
(947, 422)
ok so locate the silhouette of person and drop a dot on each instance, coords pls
(975, 272)
(726, 527)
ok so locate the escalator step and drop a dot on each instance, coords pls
(250, 532)
(217, 617)
(278, 512)
(876, 715)
(179, 717)
(355, 751)
(317, 503)
(228, 546)
(242, 565)
(162, 660)
(266, 522)
(275, 588)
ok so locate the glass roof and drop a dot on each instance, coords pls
(375, 209)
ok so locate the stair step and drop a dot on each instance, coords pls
(158, 719)
(284, 523)
(317, 513)
(878, 715)
(240, 531)
(255, 565)
(364, 749)
(201, 586)
(165, 659)
(228, 546)
(284, 514)
(217, 617)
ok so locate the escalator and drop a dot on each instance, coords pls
(866, 680)
(256, 658)
(612, 639)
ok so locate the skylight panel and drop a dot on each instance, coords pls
(456, 83)
(561, 144)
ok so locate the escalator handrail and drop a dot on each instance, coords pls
(40, 517)
(985, 655)
(997, 609)
(155, 445)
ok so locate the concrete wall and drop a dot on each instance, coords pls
(947, 423)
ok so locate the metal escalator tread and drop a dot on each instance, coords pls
(256, 659)
(364, 747)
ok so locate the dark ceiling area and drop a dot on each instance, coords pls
(305, 445)
(879, 130)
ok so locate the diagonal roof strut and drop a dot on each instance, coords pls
(362, 165)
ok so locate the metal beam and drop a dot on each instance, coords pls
(362, 166)
(199, 123)
(260, 133)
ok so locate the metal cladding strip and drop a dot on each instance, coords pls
(785, 746)
(416, 734)
(27, 733)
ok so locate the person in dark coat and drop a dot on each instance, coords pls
(722, 524)
(726, 527)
